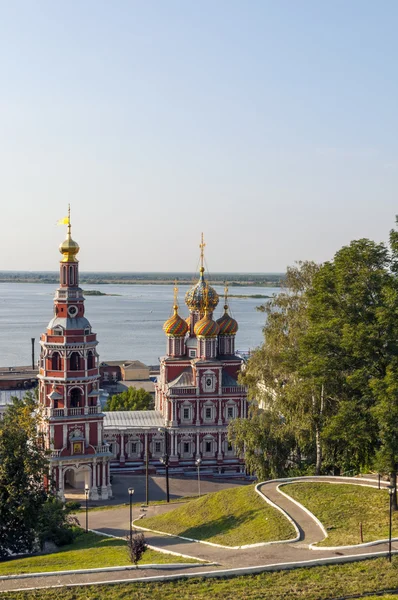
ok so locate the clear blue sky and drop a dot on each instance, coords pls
(269, 125)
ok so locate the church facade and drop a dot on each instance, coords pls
(197, 394)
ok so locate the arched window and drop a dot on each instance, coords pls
(74, 361)
(56, 362)
(90, 360)
(71, 282)
(76, 398)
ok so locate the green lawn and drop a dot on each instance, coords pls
(88, 551)
(341, 509)
(232, 517)
(316, 583)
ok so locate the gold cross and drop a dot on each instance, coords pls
(202, 250)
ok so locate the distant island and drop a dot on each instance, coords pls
(92, 278)
(97, 293)
(257, 296)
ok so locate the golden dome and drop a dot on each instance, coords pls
(69, 248)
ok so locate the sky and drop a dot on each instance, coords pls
(270, 126)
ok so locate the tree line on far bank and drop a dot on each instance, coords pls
(324, 383)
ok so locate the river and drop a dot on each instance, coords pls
(128, 326)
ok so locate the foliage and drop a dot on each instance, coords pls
(131, 399)
(328, 367)
(231, 517)
(56, 523)
(23, 466)
(136, 546)
(264, 442)
(281, 382)
(314, 583)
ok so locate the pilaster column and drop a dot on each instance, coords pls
(122, 457)
(51, 436)
(219, 453)
(197, 411)
(99, 434)
(87, 433)
(197, 445)
(65, 435)
(104, 487)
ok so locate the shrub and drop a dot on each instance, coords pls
(136, 547)
(73, 506)
(55, 523)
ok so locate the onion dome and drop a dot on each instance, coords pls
(201, 295)
(69, 248)
(176, 326)
(206, 327)
(227, 325)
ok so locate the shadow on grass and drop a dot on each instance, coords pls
(224, 524)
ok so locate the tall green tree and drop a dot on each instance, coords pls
(131, 399)
(352, 304)
(23, 467)
(278, 376)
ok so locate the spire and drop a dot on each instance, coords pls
(226, 296)
(175, 297)
(202, 246)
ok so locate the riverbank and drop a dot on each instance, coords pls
(234, 279)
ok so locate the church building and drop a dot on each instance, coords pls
(69, 388)
(197, 394)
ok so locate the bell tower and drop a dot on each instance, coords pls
(69, 388)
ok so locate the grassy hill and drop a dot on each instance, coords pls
(342, 507)
(232, 517)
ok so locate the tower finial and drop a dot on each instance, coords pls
(175, 296)
(202, 253)
(225, 295)
(69, 226)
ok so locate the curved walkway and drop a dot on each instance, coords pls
(115, 522)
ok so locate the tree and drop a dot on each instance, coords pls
(281, 381)
(263, 441)
(131, 399)
(352, 337)
(23, 467)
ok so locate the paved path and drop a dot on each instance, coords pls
(116, 522)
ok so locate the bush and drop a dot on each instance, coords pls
(73, 506)
(55, 523)
(136, 547)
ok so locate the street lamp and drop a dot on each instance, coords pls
(391, 491)
(86, 491)
(131, 492)
(198, 462)
(165, 460)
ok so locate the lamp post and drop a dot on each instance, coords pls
(198, 462)
(131, 492)
(391, 491)
(165, 460)
(86, 491)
